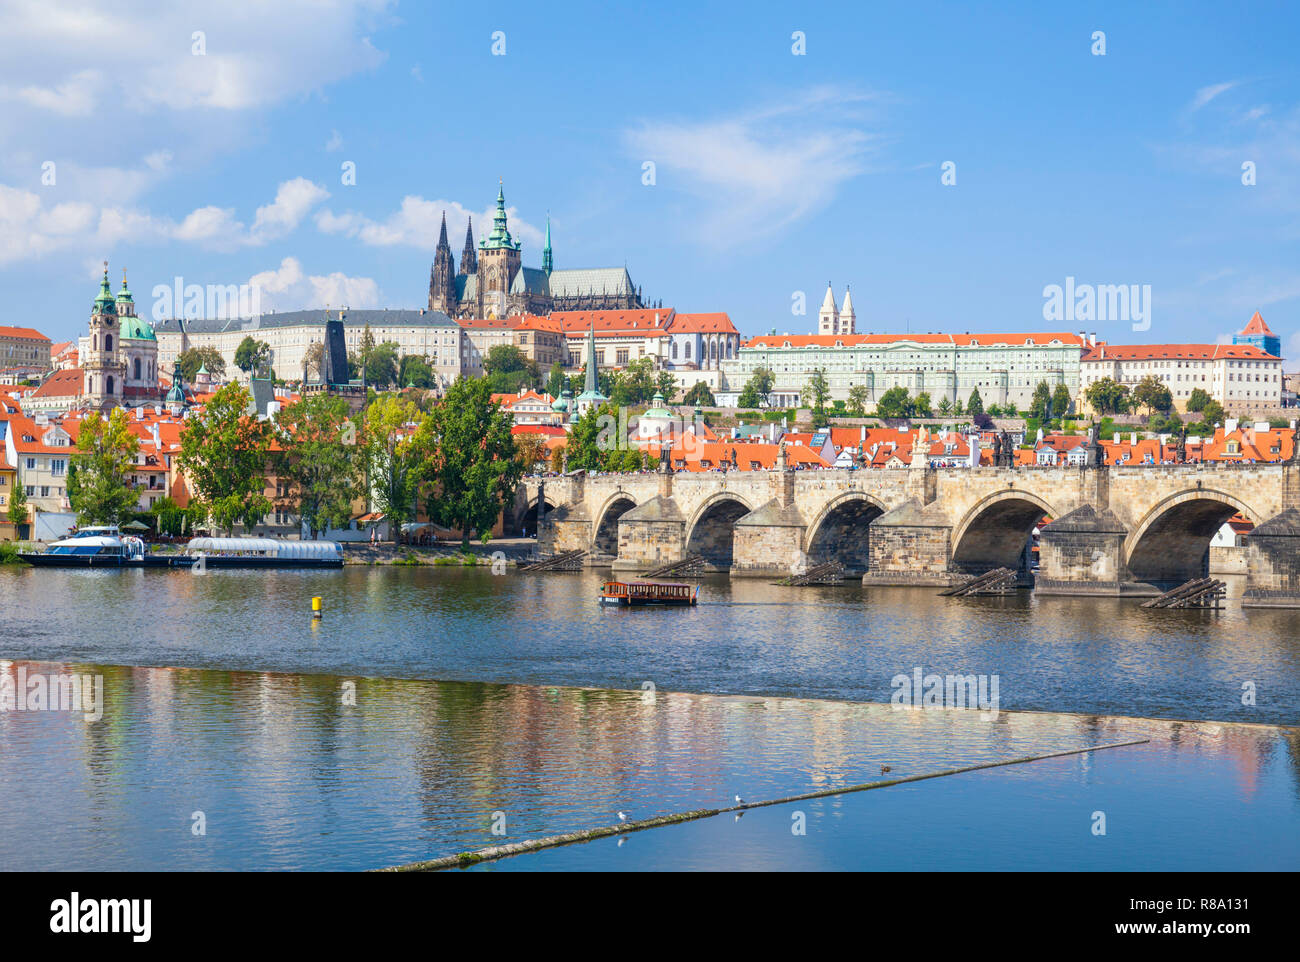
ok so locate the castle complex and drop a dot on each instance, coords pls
(493, 283)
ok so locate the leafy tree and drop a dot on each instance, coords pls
(252, 355)
(509, 370)
(1213, 413)
(921, 405)
(639, 380)
(556, 382)
(392, 458)
(699, 395)
(1107, 396)
(196, 357)
(473, 470)
(818, 389)
(1153, 394)
(97, 486)
(18, 505)
(982, 421)
(1197, 400)
(858, 397)
(976, 404)
(895, 403)
(530, 450)
(666, 385)
(945, 406)
(415, 371)
(756, 390)
(225, 453)
(381, 365)
(958, 408)
(314, 359)
(1041, 405)
(585, 445)
(557, 459)
(320, 460)
(1061, 401)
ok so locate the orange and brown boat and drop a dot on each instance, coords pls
(648, 593)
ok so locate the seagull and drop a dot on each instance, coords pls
(739, 800)
(622, 817)
(885, 768)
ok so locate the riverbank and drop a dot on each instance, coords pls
(454, 554)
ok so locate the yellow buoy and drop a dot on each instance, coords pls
(316, 606)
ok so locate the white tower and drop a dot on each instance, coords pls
(848, 320)
(828, 318)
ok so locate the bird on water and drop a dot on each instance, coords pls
(884, 769)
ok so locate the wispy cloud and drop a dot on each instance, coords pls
(757, 172)
(1206, 94)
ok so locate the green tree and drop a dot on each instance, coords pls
(556, 382)
(225, 454)
(1153, 394)
(958, 408)
(381, 365)
(98, 489)
(314, 359)
(415, 371)
(666, 385)
(818, 390)
(1061, 401)
(391, 457)
(18, 505)
(509, 370)
(586, 447)
(858, 397)
(922, 406)
(196, 357)
(1213, 413)
(473, 470)
(699, 395)
(1197, 400)
(895, 403)
(320, 460)
(252, 355)
(945, 406)
(1107, 396)
(1041, 405)
(756, 390)
(976, 404)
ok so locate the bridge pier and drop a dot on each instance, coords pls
(1273, 563)
(909, 545)
(769, 542)
(651, 534)
(1082, 553)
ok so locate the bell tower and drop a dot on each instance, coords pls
(103, 367)
(498, 263)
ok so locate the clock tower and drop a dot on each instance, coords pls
(103, 367)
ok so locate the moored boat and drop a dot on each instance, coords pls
(261, 553)
(101, 546)
(632, 593)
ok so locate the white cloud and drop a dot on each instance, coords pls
(335, 142)
(417, 221)
(1206, 94)
(288, 288)
(293, 200)
(758, 172)
(75, 96)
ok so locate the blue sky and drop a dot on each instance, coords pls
(774, 172)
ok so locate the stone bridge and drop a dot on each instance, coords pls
(1113, 530)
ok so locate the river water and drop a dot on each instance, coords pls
(515, 702)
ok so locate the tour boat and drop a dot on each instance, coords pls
(95, 547)
(261, 553)
(648, 593)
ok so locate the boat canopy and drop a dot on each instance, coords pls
(266, 547)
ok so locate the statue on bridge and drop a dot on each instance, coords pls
(1180, 449)
(1096, 454)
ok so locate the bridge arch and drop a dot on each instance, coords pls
(839, 532)
(1171, 544)
(995, 533)
(604, 541)
(525, 518)
(711, 532)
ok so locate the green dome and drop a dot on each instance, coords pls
(137, 330)
(104, 303)
(561, 403)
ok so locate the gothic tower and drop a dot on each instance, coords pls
(468, 259)
(442, 276)
(498, 263)
(848, 319)
(828, 318)
(548, 263)
(103, 368)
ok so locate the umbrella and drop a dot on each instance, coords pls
(135, 526)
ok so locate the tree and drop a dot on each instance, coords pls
(18, 505)
(945, 406)
(666, 385)
(756, 390)
(415, 371)
(225, 452)
(1061, 401)
(1041, 405)
(1107, 396)
(976, 404)
(1153, 394)
(922, 405)
(530, 450)
(858, 397)
(894, 403)
(1213, 413)
(320, 460)
(473, 470)
(639, 380)
(585, 447)
(97, 481)
(699, 396)
(818, 389)
(556, 382)
(509, 370)
(314, 359)
(958, 408)
(391, 457)
(381, 365)
(1197, 400)
(252, 355)
(191, 360)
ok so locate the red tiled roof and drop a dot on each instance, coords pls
(1256, 325)
(956, 340)
(715, 323)
(1146, 352)
(23, 332)
(67, 383)
(608, 322)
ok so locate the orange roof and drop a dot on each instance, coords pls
(23, 428)
(550, 430)
(66, 383)
(610, 322)
(534, 322)
(956, 340)
(694, 453)
(716, 323)
(26, 333)
(1256, 325)
(483, 323)
(1144, 352)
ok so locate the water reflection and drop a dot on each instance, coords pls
(286, 774)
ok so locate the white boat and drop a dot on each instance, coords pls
(100, 546)
(263, 553)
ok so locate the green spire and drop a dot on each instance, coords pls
(124, 294)
(500, 236)
(547, 264)
(104, 303)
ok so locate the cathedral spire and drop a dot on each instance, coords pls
(442, 236)
(547, 262)
(500, 236)
(469, 259)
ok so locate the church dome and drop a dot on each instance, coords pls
(137, 330)
(561, 403)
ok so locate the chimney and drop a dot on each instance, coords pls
(1092, 339)
(862, 436)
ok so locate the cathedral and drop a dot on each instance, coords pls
(493, 283)
(119, 357)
